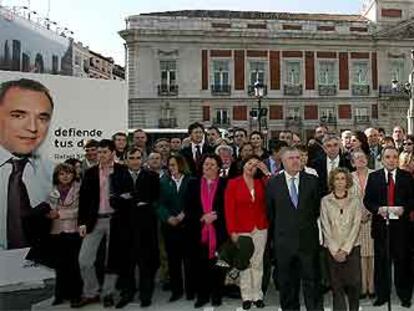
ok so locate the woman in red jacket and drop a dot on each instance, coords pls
(245, 213)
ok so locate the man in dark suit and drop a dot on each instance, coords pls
(197, 148)
(315, 144)
(95, 224)
(274, 163)
(374, 147)
(134, 191)
(293, 204)
(331, 159)
(391, 187)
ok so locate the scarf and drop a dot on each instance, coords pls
(208, 232)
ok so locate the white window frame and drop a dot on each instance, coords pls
(330, 76)
(357, 79)
(169, 81)
(397, 69)
(221, 70)
(290, 78)
(257, 68)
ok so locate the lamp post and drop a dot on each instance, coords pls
(258, 93)
(408, 87)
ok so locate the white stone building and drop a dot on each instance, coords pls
(186, 66)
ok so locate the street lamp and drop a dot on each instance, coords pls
(258, 93)
(408, 87)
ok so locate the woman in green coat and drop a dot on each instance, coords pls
(173, 196)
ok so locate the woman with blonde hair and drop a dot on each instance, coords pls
(360, 177)
(341, 221)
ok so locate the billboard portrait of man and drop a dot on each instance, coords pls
(26, 108)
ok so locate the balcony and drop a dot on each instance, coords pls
(220, 90)
(167, 90)
(293, 121)
(293, 90)
(250, 90)
(222, 122)
(387, 91)
(360, 90)
(362, 120)
(327, 90)
(328, 120)
(167, 123)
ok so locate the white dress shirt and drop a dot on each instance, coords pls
(394, 174)
(178, 182)
(194, 149)
(289, 180)
(37, 176)
(332, 164)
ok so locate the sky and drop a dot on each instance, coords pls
(96, 22)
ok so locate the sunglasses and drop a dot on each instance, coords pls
(407, 144)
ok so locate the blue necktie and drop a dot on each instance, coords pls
(293, 192)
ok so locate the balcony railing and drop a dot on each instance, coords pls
(167, 90)
(328, 119)
(220, 90)
(167, 123)
(360, 90)
(251, 92)
(361, 119)
(293, 90)
(390, 92)
(293, 121)
(327, 90)
(222, 122)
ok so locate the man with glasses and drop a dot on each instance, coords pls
(239, 139)
(331, 159)
(374, 147)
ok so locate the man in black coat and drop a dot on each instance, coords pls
(331, 159)
(134, 191)
(293, 205)
(197, 148)
(391, 187)
(95, 224)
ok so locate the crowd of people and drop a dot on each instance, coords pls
(207, 215)
(317, 214)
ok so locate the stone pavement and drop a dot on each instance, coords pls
(160, 303)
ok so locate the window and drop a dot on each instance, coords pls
(222, 116)
(360, 73)
(327, 113)
(361, 112)
(326, 73)
(220, 72)
(293, 72)
(257, 72)
(77, 60)
(397, 70)
(293, 113)
(55, 64)
(168, 72)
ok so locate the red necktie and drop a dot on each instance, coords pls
(391, 190)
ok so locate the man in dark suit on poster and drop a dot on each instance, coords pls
(391, 187)
(26, 108)
(293, 202)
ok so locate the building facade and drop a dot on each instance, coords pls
(31, 43)
(186, 66)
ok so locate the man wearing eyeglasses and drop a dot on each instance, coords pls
(374, 161)
(331, 159)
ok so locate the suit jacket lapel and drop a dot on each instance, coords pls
(301, 188)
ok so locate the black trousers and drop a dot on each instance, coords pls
(346, 280)
(66, 247)
(210, 279)
(179, 255)
(400, 256)
(294, 269)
